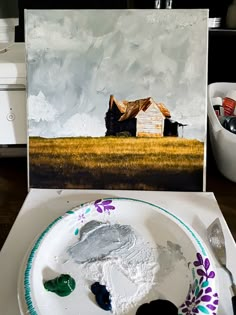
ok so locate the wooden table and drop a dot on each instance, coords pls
(224, 190)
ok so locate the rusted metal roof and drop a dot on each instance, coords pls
(130, 109)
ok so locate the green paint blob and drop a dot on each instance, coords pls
(62, 285)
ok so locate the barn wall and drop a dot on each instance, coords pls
(150, 123)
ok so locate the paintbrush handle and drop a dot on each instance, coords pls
(234, 304)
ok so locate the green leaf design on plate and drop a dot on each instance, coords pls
(76, 231)
(205, 284)
(70, 212)
(197, 290)
(203, 309)
(88, 210)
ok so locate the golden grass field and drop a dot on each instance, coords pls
(101, 159)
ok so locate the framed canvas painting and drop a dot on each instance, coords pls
(117, 99)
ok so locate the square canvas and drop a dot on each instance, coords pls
(117, 99)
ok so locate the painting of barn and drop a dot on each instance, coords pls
(106, 100)
(140, 118)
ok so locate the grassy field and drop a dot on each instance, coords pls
(116, 163)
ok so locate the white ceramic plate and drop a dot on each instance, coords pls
(168, 261)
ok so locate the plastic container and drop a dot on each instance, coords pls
(223, 142)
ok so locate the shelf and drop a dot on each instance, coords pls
(223, 30)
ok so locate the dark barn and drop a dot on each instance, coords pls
(171, 128)
(126, 118)
(114, 126)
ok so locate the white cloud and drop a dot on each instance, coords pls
(49, 34)
(40, 109)
(83, 125)
(79, 125)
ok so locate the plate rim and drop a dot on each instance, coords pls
(189, 231)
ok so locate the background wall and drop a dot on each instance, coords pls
(222, 44)
(8, 9)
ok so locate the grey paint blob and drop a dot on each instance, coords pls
(99, 240)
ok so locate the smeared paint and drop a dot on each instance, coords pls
(131, 268)
(168, 257)
(62, 285)
(98, 240)
(111, 254)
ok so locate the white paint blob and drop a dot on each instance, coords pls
(132, 269)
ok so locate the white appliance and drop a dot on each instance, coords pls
(13, 122)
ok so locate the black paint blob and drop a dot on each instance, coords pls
(157, 307)
(102, 296)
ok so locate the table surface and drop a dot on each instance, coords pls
(224, 190)
(42, 206)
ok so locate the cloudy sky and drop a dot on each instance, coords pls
(77, 58)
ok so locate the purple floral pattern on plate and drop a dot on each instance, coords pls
(81, 218)
(201, 299)
(104, 205)
(101, 205)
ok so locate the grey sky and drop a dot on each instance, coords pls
(77, 58)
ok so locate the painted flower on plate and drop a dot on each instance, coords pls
(201, 299)
(104, 205)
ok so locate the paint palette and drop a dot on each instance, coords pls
(139, 251)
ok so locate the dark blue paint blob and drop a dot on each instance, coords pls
(96, 287)
(157, 307)
(102, 296)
